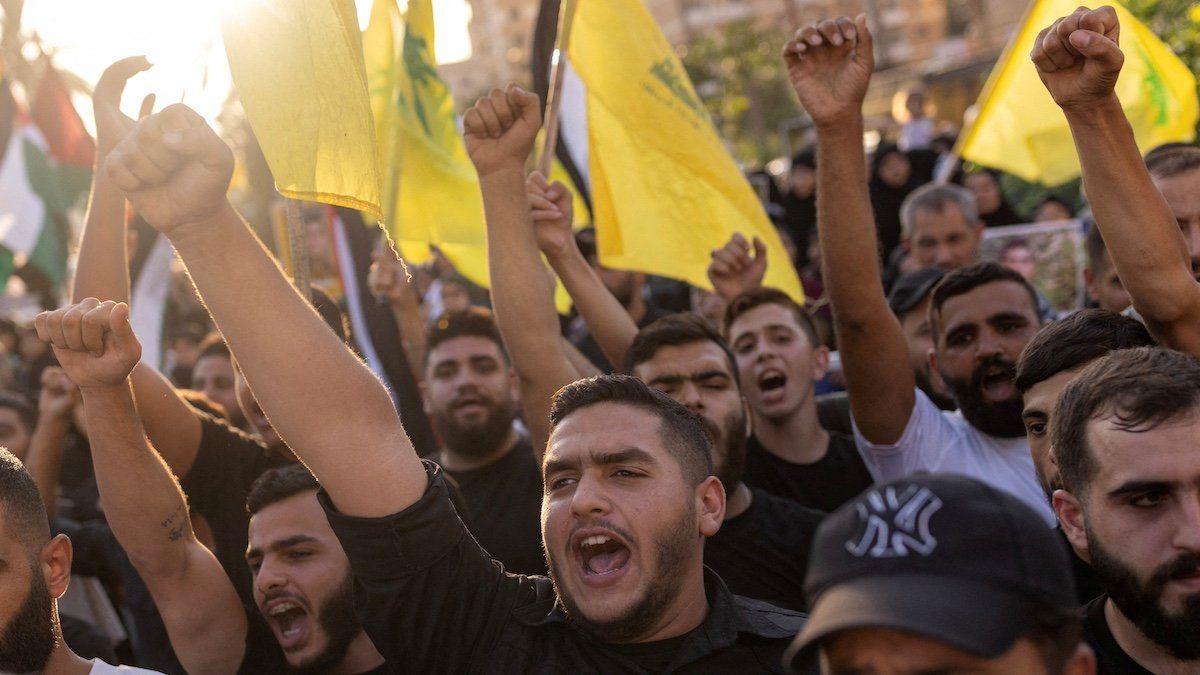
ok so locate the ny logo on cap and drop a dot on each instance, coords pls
(897, 522)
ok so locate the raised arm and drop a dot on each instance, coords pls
(142, 502)
(607, 321)
(830, 65)
(103, 269)
(332, 411)
(499, 133)
(56, 402)
(1079, 58)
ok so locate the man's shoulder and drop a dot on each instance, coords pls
(765, 620)
(785, 513)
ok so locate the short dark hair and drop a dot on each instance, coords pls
(1139, 388)
(214, 345)
(473, 322)
(770, 296)
(1173, 160)
(1096, 248)
(21, 505)
(276, 485)
(21, 405)
(1077, 340)
(681, 430)
(676, 330)
(966, 279)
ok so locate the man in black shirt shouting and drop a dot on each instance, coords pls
(631, 591)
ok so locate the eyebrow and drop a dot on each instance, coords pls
(674, 378)
(282, 544)
(1137, 486)
(1007, 316)
(625, 456)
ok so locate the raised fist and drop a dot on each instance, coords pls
(112, 125)
(830, 65)
(553, 215)
(173, 168)
(734, 271)
(500, 128)
(93, 342)
(1079, 58)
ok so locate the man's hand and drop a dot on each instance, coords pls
(500, 128)
(173, 168)
(93, 342)
(553, 215)
(58, 395)
(1079, 58)
(830, 64)
(388, 279)
(112, 125)
(733, 271)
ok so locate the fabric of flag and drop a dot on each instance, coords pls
(33, 222)
(298, 69)
(1019, 129)
(665, 192)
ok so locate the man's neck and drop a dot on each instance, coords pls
(1149, 654)
(797, 438)
(453, 461)
(64, 662)
(361, 657)
(687, 612)
(738, 501)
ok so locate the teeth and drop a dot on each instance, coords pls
(595, 540)
(283, 607)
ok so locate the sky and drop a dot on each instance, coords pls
(181, 38)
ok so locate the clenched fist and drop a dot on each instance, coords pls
(93, 342)
(1079, 58)
(499, 130)
(830, 65)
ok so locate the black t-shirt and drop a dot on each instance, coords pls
(433, 600)
(504, 508)
(228, 462)
(824, 485)
(1110, 658)
(763, 552)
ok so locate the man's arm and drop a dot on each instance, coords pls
(499, 134)
(830, 65)
(103, 269)
(56, 402)
(142, 502)
(609, 323)
(1078, 59)
(332, 411)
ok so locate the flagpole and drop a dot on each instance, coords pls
(298, 246)
(558, 72)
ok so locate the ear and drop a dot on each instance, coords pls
(1082, 662)
(1070, 516)
(906, 244)
(931, 355)
(820, 363)
(56, 565)
(710, 505)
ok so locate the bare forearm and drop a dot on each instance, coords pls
(609, 323)
(45, 459)
(103, 271)
(869, 337)
(331, 410)
(1138, 227)
(411, 322)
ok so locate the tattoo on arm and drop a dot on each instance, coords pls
(176, 523)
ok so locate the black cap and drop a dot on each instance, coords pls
(912, 289)
(944, 557)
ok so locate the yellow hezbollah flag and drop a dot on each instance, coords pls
(298, 69)
(1021, 130)
(665, 191)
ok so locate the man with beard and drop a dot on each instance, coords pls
(470, 392)
(34, 572)
(1125, 435)
(301, 575)
(982, 315)
(762, 548)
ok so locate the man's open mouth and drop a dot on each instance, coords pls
(290, 621)
(771, 380)
(600, 554)
(997, 384)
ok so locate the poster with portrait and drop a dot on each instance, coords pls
(1050, 255)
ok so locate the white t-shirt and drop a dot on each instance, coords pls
(936, 441)
(101, 668)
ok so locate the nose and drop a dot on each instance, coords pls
(1187, 535)
(270, 576)
(944, 257)
(589, 498)
(689, 395)
(989, 344)
(1192, 234)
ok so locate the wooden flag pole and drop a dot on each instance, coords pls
(298, 246)
(558, 72)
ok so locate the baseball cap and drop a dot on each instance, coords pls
(909, 290)
(944, 557)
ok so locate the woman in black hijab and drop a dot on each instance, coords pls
(891, 181)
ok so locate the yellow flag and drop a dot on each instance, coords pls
(298, 69)
(665, 191)
(1019, 128)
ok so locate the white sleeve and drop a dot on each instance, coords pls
(921, 447)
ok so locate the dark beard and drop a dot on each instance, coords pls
(29, 639)
(1140, 602)
(729, 463)
(1002, 420)
(474, 441)
(338, 621)
(671, 552)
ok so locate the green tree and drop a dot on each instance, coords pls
(740, 77)
(1176, 22)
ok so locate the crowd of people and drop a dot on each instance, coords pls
(924, 469)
